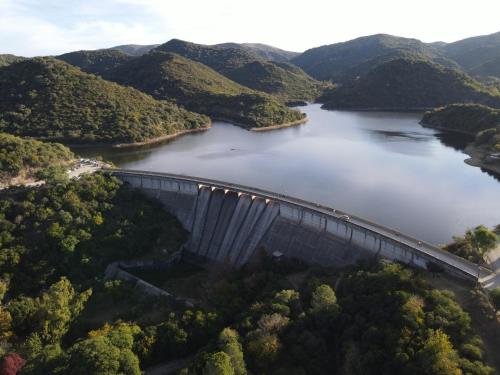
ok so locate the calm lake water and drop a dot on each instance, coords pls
(381, 166)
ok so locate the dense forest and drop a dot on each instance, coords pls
(467, 118)
(48, 98)
(407, 84)
(96, 62)
(249, 68)
(25, 156)
(478, 120)
(7, 59)
(341, 62)
(263, 50)
(201, 89)
(222, 60)
(283, 80)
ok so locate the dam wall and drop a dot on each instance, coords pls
(229, 223)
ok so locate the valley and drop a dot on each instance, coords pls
(237, 208)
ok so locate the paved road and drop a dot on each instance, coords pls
(493, 280)
(459, 263)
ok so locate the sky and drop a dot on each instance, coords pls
(50, 27)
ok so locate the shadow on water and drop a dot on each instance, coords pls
(400, 135)
(456, 141)
(496, 176)
(126, 154)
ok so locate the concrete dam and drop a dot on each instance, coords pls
(229, 223)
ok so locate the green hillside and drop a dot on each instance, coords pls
(282, 80)
(490, 68)
(201, 89)
(478, 120)
(95, 62)
(7, 59)
(407, 84)
(134, 49)
(467, 118)
(472, 53)
(222, 60)
(45, 97)
(263, 50)
(25, 156)
(247, 68)
(342, 62)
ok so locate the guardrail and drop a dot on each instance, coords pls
(424, 247)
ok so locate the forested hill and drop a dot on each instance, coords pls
(201, 89)
(96, 62)
(263, 50)
(478, 120)
(244, 66)
(467, 118)
(222, 60)
(7, 59)
(281, 79)
(344, 61)
(134, 49)
(25, 156)
(406, 84)
(45, 97)
(472, 53)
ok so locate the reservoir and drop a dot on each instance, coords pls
(384, 167)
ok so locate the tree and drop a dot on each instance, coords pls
(218, 363)
(437, 356)
(5, 323)
(12, 364)
(263, 349)
(57, 308)
(481, 239)
(98, 355)
(495, 298)
(324, 300)
(229, 344)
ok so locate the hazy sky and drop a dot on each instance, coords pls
(42, 27)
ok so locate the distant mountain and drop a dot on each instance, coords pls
(249, 69)
(135, 49)
(95, 62)
(471, 53)
(341, 62)
(490, 68)
(406, 84)
(7, 59)
(58, 101)
(222, 60)
(263, 50)
(282, 80)
(201, 89)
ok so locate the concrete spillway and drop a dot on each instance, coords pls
(228, 223)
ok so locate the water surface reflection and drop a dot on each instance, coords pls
(381, 166)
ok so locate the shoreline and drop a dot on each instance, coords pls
(264, 128)
(476, 154)
(376, 109)
(476, 159)
(159, 139)
(280, 126)
(444, 128)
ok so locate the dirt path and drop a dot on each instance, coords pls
(169, 367)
